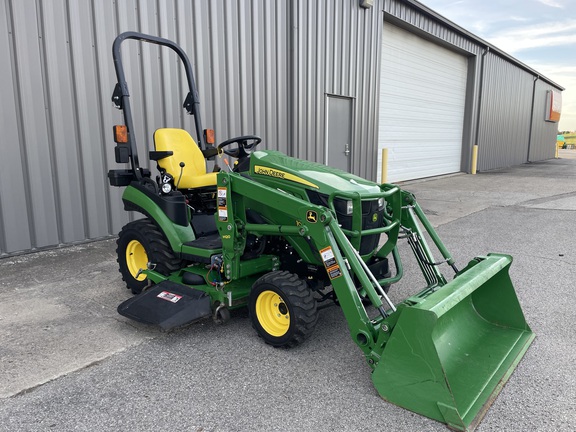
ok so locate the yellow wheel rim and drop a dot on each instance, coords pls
(272, 313)
(136, 259)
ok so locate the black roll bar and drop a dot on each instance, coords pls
(121, 95)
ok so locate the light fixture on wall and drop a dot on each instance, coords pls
(366, 3)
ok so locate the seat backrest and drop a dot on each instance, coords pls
(184, 149)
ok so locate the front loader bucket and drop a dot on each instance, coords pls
(449, 356)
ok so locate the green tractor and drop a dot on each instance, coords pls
(283, 236)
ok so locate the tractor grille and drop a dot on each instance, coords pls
(371, 218)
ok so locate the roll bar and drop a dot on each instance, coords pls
(121, 95)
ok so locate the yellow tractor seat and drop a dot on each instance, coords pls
(184, 149)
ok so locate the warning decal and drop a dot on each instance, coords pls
(334, 272)
(171, 297)
(330, 263)
(222, 205)
(328, 257)
(221, 197)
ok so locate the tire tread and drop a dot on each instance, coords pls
(157, 248)
(303, 314)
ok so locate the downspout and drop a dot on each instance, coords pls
(535, 79)
(479, 111)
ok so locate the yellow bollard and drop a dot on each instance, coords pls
(474, 159)
(384, 176)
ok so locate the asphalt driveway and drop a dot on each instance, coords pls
(69, 362)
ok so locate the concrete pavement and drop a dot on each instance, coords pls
(68, 361)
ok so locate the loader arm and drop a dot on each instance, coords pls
(333, 247)
(445, 352)
(319, 227)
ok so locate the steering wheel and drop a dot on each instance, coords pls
(246, 145)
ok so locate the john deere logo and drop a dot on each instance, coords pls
(311, 216)
(374, 217)
(282, 175)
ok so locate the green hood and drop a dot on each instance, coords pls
(272, 166)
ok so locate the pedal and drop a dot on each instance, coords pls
(167, 305)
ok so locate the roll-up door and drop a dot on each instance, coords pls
(422, 98)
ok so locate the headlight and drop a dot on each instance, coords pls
(380, 203)
(349, 207)
(166, 188)
(344, 207)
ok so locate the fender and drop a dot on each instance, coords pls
(171, 215)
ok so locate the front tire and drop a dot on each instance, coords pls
(282, 309)
(140, 242)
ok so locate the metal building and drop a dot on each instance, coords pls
(329, 81)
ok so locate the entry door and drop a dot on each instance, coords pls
(339, 132)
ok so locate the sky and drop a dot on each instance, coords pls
(539, 33)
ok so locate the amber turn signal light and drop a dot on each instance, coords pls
(120, 134)
(209, 135)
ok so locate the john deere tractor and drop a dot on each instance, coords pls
(281, 236)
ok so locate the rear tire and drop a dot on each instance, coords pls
(282, 309)
(140, 242)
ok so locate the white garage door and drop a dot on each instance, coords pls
(422, 97)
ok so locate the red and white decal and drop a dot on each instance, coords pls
(171, 297)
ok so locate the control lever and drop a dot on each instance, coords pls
(182, 165)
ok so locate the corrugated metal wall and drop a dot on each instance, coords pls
(262, 67)
(57, 78)
(336, 52)
(543, 137)
(505, 114)
(404, 11)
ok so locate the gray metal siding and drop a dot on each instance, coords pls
(543, 137)
(57, 78)
(336, 52)
(262, 67)
(15, 232)
(28, 159)
(505, 114)
(401, 11)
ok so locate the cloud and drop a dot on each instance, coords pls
(552, 3)
(519, 18)
(535, 36)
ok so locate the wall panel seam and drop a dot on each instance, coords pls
(20, 124)
(76, 122)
